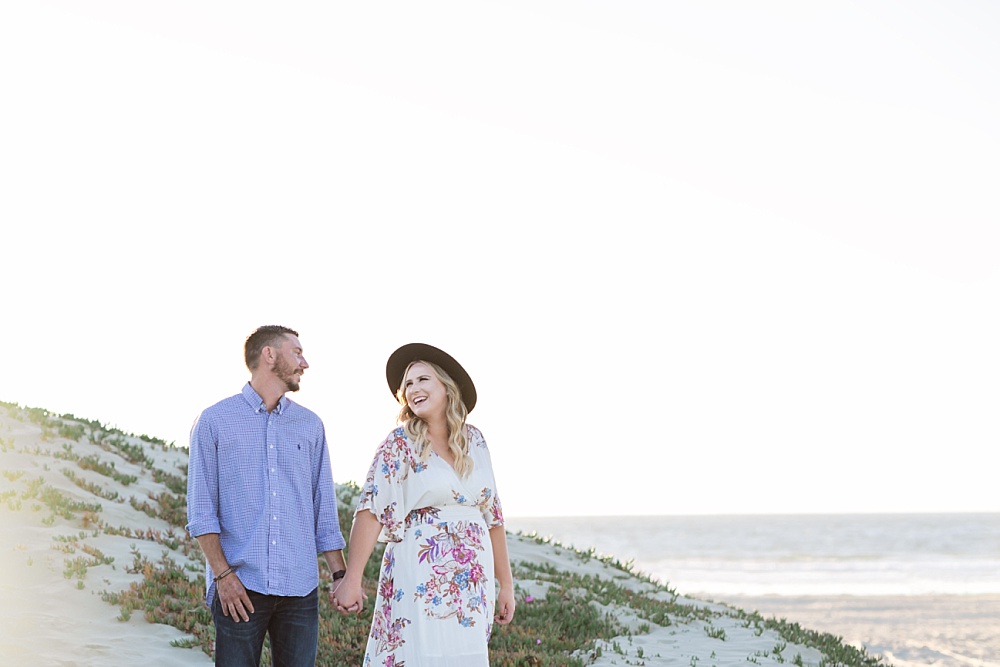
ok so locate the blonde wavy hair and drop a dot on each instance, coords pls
(455, 414)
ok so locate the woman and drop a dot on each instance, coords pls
(431, 495)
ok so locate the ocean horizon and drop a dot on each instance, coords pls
(917, 589)
(795, 554)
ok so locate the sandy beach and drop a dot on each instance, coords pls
(971, 625)
(61, 492)
(50, 615)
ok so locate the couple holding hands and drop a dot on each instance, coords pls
(262, 505)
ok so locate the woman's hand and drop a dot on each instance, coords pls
(505, 605)
(501, 570)
(348, 596)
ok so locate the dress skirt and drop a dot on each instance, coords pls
(436, 592)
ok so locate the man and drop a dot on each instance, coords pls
(262, 505)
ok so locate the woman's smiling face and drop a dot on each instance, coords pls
(425, 394)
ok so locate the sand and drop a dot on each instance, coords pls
(47, 618)
(940, 630)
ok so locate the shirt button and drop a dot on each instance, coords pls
(272, 469)
(275, 518)
(274, 542)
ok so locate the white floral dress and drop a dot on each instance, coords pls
(436, 591)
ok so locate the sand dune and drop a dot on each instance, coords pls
(72, 526)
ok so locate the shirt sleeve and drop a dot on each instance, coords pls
(203, 479)
(328, 534)
(383, 493)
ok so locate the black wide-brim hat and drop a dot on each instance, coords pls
(404, 356)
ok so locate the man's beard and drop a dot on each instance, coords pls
(286, 373)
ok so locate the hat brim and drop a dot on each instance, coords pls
(404, 356)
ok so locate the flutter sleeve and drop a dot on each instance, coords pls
(383, 493)
(489, 498)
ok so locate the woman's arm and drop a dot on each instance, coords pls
(501, 570)
(349, 595)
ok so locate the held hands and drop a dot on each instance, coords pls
(348, 596)
(233, 598)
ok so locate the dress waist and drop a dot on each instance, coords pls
(444, 514)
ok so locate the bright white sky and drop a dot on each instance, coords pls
(699, 257)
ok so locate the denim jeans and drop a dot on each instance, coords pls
(292, 624)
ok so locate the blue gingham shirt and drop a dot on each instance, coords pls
(262, 481)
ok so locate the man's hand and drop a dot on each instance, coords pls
(348, 598)
(233, 598)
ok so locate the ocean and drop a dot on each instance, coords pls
(917, 589)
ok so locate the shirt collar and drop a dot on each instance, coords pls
(254, 400)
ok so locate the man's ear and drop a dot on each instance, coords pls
(267, 355)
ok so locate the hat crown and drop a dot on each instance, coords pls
(405, 355)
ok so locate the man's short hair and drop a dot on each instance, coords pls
(270, 335)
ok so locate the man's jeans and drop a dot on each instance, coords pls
(291, 623)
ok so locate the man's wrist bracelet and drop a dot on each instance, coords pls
(339, 574)
(224, 574)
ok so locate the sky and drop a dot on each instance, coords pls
(699, 258)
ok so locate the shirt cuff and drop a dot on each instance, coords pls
(199, 527)
(330, 543)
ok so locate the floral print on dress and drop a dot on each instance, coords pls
(456, 587)
(386, 630)
(391, 467)
(438, 565)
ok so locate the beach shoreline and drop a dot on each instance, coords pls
(907, 630)
(917, 589)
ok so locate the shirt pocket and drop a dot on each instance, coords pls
(297, 461)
